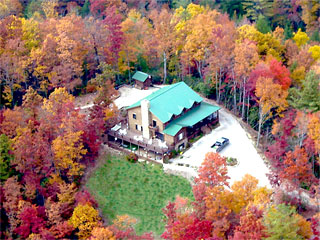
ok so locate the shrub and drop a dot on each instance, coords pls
(232, 161)
(132, 157)
(91, 88)
(173, 153)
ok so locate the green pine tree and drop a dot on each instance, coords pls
(5, 158)
(288, 32)
(85, 10)
(263, 25)
(308, 98)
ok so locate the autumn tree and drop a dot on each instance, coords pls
(213, 172)
(12, 194)
(85, 218)
(10, 7)
(68, 151)
(199, 39)
(251, 225)
(136, 32)
(297, 168)
(102, 233)
(222, 52)
(271, 99)
(309, 14)
(163, 35)
(301, 38)
(31, 102)
(314, 129)
(315, 52)
(112, 22)
(246, 58)
(32, 221)
(12, 119)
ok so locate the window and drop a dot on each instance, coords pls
(134, 116)
(154, 123)
(180, 136)
(136, 127)
(141, 128)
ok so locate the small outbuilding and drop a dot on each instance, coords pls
(142, 80)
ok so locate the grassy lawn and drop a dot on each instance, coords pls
(139, 190)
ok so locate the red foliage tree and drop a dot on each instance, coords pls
(198, 230)
(32, 221)
(115, 35)
(297, 168)
(83, 197)
(280, 73)
(213, 172)
(251, 226)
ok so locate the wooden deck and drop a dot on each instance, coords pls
(154, 145)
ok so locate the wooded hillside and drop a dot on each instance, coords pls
(258, 58)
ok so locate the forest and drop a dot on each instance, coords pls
(258, 58)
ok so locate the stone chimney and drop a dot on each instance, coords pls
(145, 105)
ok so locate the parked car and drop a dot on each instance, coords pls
(220, 144)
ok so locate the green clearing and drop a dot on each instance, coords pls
(139, 190)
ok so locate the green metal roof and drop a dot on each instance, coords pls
(190, 118)
(140, 76)
(170, 100)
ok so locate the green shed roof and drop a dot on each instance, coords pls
(140, 76)
(170, 100)
(190, 118)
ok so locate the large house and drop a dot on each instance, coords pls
(173, 114)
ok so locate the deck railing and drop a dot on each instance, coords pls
(142, 144)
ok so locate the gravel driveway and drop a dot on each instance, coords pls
(240, 147)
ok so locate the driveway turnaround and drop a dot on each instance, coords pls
(240, 147)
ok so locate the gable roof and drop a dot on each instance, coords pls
(170, 100)
(140, 76)
(190, 118)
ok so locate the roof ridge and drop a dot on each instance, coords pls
(166, 90)
(143, 72)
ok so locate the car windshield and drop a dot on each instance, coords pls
(220, 140)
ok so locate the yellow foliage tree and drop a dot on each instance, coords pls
(315, 52)
(85, 218)
(56, 99)
(261, 197)
(242, 192)
(310, 14)
(298, 75)
(301, 38)
(68, 150)
(267, 44)
(270, 96)
(304, 227)
(314, 130)
(199, 39)
(10, 7)
(67, 192)
(49, 8)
